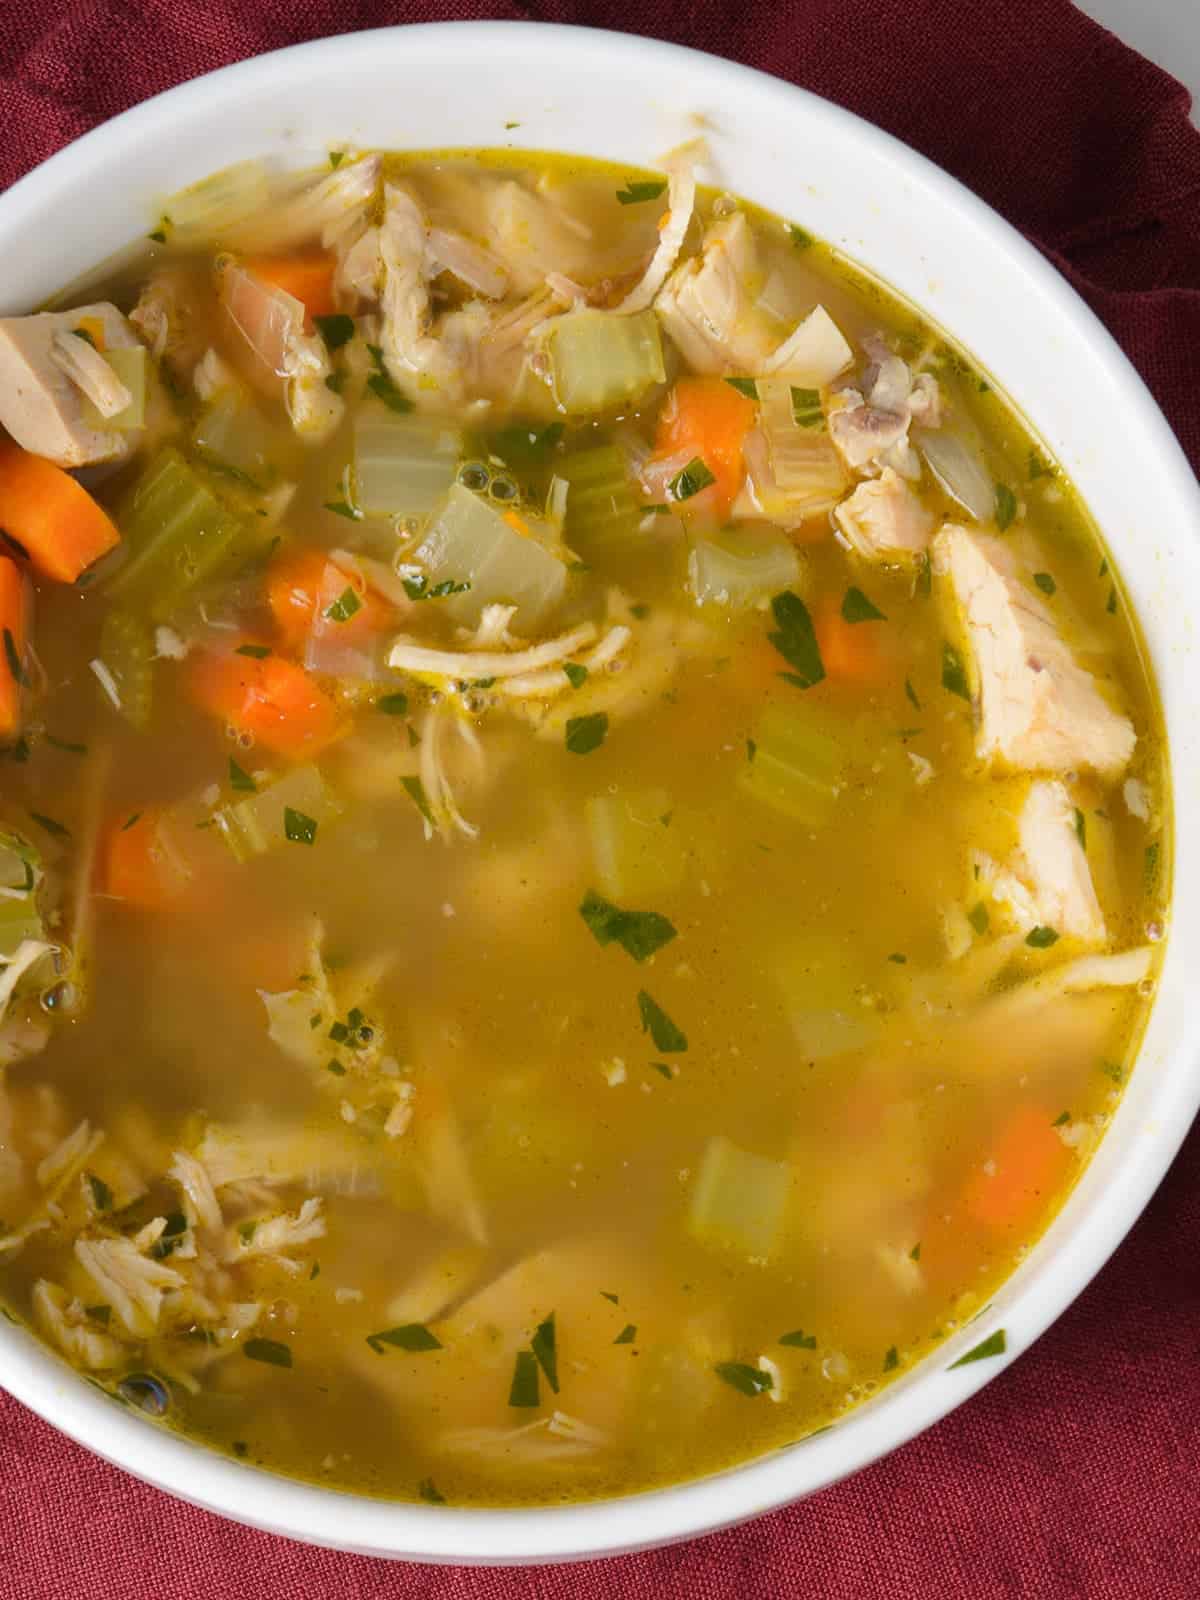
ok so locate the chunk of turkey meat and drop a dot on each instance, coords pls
(1039, 709)
(883, 520)
(1048, 882)
(42, 390)
(706, 306)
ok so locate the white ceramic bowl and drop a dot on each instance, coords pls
(630, 99)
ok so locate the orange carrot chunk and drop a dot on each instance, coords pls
(51, 516)
(1023, 1169)
(273, 700)
(307, 278)
(851, 651)
(299, 579)
(14, 621)
(706, 419)
(134, 866)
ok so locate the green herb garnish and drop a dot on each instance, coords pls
(100, 1314)
(638, 190)
(800, 237)
(393, 705)
(239, 778)
(347, 605)
(20, 676)
(994, 1345)
(796, 640)
(627, 1334)
(256, 652)
(978, 918)
(746, 386)
(101, 1194)
(1041, 938)
(1081, 828)
(745, 1379)
(544, 1347)
(131, 821)
(412, 1336)
(806, 408)
(1111, 607)
(524, 1389)
(639, 933)
(912, 695)
(1006, 506)
(416, 793)
(342, 508)
(857, 608)
(298, 828)
(691, 480)
(898, 959)
(585, 734)
(669, 1039)
(336, 330)
(57, 829)
(521, 446)
(954, 673)
(419, 588)
(577, 676)
(915, 1253)
(1045, 582)
(268, 1350)
(158, 236)
(605, 1294)
(1061, 1119)
(430, 1493)
(891, 1360)
(382, 387)
(1150, 865)
(799, 1340)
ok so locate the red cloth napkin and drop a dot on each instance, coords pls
(1074, 1473)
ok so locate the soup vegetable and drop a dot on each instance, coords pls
(584, 828)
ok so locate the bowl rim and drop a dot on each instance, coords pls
(339, 1520)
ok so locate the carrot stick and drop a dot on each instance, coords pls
(307, 278)
(295, 584)
(132, 864)
(272, 699)
(1025, 1166)
(51, 516)
(708, 419)
(14, 621)
(851, 651)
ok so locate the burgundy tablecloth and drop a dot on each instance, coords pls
(1075, 1473)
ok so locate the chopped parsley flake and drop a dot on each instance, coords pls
(978, 918)
(994, 1345)
(1045, 582)
(1081, 828)
(393, 705)
(668, 1039)
(101, 1194)
(800, 237)
(691, 480)
(257, 652)
(891, 1360)
(20, 676)
(297, 827)
(799, 1340)
(382, 387)
(745, 1379)
(746, 386)
(585, 734)
(915, 1253)
(239, 778)
(796, 640)
(1006, 507)
(627, 1334)
(57, 829)
(412, 1336)
(342, 508)
(1061, 1119)
(806, 408)
(857, 608)
(897, 959)
(419, 588)
(1041, 938)
(427, 1489)
(954, 674)
(576, 675)
(606, 1294)
(336, 330)
(524, 1389)
(912, 695)
(416, 793)
(639, 933)
(268, 1350)
(347, 605)
(639, 190)
(544, 1346)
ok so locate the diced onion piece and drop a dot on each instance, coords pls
(471, 542)
(234, 435)
(740, 566)
(255, 825)
(600, 359)
(796, 767)
(814, 353)
(635, 855)
(268, 318)
(738, 1199)
(959, 471)
(792, 473)
(403, 464)
(217, 203)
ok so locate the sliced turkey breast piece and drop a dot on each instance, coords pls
(41, 403)
(1048, 882)
(1039, 710)
(883, 520)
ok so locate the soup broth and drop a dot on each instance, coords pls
(585, 828)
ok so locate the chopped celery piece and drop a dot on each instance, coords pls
(127, 655)
(741, 566)
(601, 359)
(803, 474)
(797, 766)
(471, 542)
(820, 984)
(253, 826)
(233, 436)
(603, 512)
(20, 875)
(738, 1199)
(179, 534)
(130, 365)
(635, 852)
(403, 465)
